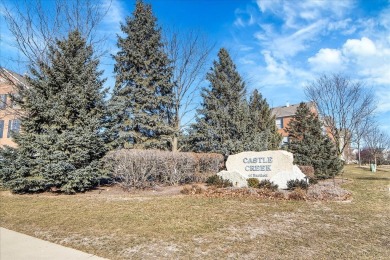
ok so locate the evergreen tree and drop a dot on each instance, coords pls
(262, 131)
(61, 141)
(142, 102)
(221, 122)
(310, 146)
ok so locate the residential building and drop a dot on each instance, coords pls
(9, 112)
(284, 114)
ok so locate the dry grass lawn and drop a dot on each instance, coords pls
(145, 226)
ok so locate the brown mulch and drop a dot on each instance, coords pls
(327, 190)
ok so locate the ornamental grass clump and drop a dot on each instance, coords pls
(218, 182)
(297, 194)
(253, 182)
(269, 185)
(192, 190)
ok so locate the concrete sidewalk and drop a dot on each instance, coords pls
(17, 246)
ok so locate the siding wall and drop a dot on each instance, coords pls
(8, 113)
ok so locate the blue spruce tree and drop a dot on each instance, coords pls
(61, 142)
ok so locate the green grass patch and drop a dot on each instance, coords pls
(120, 226)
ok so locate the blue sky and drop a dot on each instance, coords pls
(278, 46)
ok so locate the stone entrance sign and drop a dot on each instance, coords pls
(276, 166)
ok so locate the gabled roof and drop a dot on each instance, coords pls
(288, 110)
(13, 76)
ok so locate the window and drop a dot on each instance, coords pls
(279, 122)
(3, 101)
(1, 128)
(14, 104)
(13, 126)
(285, 140)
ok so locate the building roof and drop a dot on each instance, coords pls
(13, 76)
(288, 110)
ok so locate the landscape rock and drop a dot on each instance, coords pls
(276, 166)
(238, 179)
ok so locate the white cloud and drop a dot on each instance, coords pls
(299, 39)
(303, 22)
(359, 48)
(345, 26)
(272, 66)
(384, 18)
(363, 58)
(115, 14)
(294, 43)
(326, 60)
(245, 17)
(297, 13)
(266, 5)
(383, 97)
(369, 59)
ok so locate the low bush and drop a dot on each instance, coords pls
(253, 182)
(294, 184)
(218, 182)
(267, 184)
(191, 190)
(297, 194)
(133, 168)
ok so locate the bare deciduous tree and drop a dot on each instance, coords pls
(376, 142)
(36, 26)
(189, 54)
(343, 104)
(361, 130)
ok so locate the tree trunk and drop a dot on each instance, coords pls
(174, 144)
(360, 160)
(175, 140)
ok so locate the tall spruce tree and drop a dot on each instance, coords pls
(61, 141)
(221, 122)
(141, 106)
(310, 146)
(261, 130)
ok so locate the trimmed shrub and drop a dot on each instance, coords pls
(294, 184)
(253, 182)
(267, 184)
(133, 168)
(218, 182)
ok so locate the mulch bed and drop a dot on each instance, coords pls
(326, 190)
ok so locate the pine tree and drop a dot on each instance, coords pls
(310, 146)
(61, 142)
(142, 102)
(262, 131)
(221, 122)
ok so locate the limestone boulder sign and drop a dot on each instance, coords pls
(276, 166)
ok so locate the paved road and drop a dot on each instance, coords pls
(17, 246)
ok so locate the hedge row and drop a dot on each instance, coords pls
(133, 168)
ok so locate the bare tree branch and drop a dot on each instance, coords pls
(189, 53)
(35, 27)
(344, 104)
(376, 142)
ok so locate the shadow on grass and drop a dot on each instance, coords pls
(373, 178)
